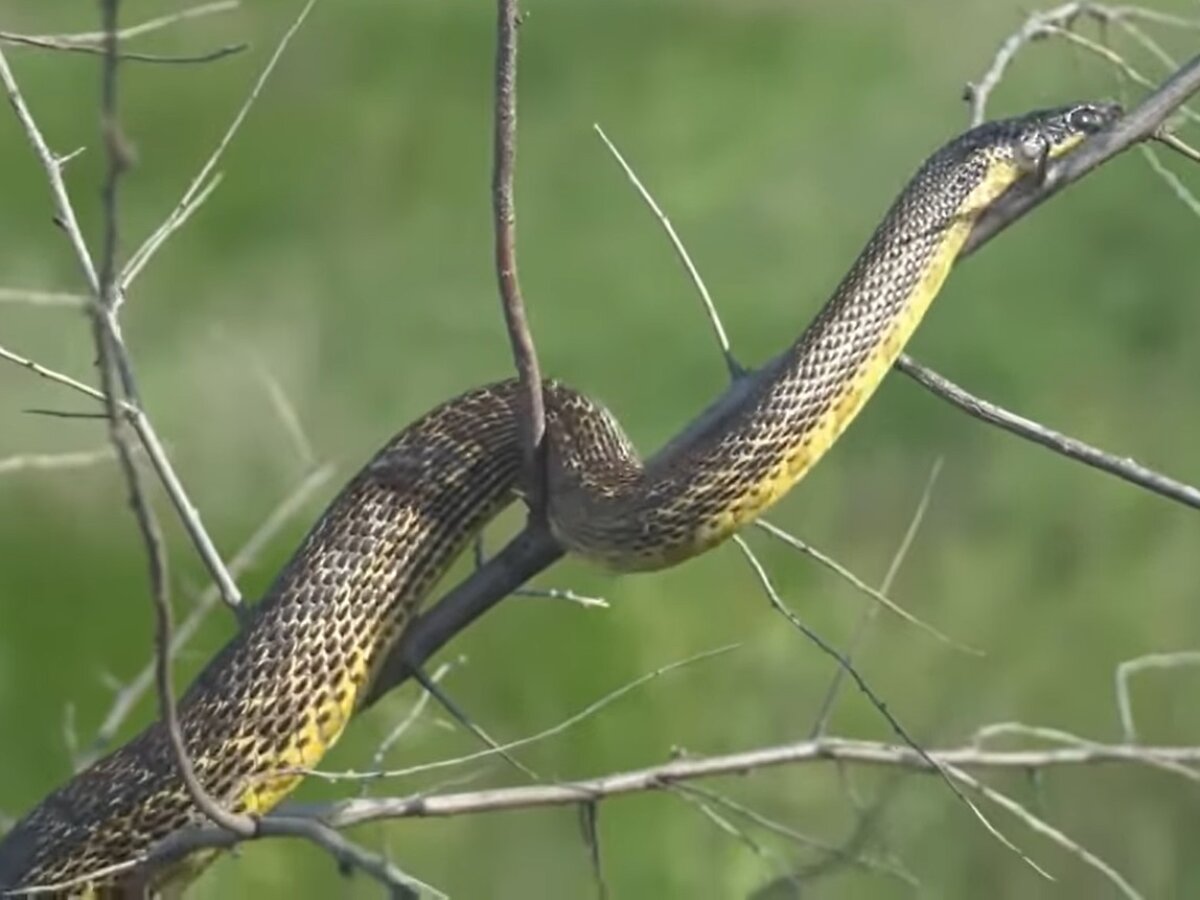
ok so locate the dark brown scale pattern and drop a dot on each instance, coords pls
(282, 688)
(692, 502)
(330, 615)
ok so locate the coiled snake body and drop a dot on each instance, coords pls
(281, 691)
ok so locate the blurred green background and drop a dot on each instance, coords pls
(348, 253)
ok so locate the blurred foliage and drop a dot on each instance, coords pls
(348, 252)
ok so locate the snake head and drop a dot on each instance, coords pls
(1038, 137)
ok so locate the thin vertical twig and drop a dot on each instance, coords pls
(732, 366)
(846, 665)
(114, 366)
(869, 614)
(533, 416)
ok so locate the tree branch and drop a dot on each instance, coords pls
(1067, 446)
(114, 365)
(533, 417)
(653, 778)
(48, 43)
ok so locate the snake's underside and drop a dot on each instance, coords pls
(279, 694)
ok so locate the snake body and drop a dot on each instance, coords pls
(282, 690)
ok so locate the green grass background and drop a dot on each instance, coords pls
(348, 251)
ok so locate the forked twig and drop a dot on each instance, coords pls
(848, 667)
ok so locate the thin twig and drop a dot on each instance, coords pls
(1058, 736)
(840, 658)
(1044, 828)
(65, 216)
(44, 462)
(734, 368)
(286, 411)
(43, 298)
(1131, 667)
(586, 713)
(1172, 181)
(114, 365)
(859, 860)
(48, 43)
(566, 594)
(151, 25)
(868, 615)
(504, 149)
(876, 594)
(201, 186)
(404, 725)
(350, 812)
(1072, 448)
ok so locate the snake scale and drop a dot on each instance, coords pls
(282, 690)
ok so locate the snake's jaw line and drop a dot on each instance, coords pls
(275, 698)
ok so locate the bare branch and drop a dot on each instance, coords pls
(65, 216)
(47, 43)
(1044, 828)
(533, 417)
(114, 364)
(286, 410)
(849, 668)
(50, 374)
(43, 298)
(403, 726)
(1058, 736)
(869, 614)
(43, 462)
(151, 25)
(353, 812)
(734, 368)
(1126, 469)
(204, 182)
(1055, 20)
(182, 843)
(587, 712)
(878, 595)
(1131, 667)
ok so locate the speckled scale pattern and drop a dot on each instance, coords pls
(650, 518)
(280, 693)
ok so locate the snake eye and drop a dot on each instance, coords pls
(1090, 118)
(1030, 152)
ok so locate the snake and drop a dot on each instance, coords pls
(279, 694)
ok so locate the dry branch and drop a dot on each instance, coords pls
(504, 220)
(47, 43)
(43, 462)
(653, 778)
(1072, 448)
(116, 375)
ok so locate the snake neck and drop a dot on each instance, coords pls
(629, 517)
